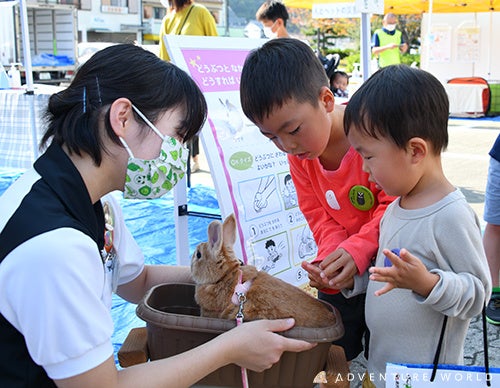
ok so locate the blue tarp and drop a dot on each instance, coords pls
(152, 225)
(45, 59)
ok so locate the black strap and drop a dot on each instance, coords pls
(438, 349)
(185, 19)
(485, 346)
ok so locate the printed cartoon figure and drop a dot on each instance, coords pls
(361, 198)
(272, 257)
(267, 186)
(289, 193)
(408, 381)
(307, 245)
(233, 118)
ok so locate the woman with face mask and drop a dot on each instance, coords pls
(122, 124)
(388, 43)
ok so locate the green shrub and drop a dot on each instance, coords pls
(408, 59)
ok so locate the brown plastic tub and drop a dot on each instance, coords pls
(174, 325)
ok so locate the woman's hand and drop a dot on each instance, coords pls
(255, 345)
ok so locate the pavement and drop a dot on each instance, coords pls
(466, 165)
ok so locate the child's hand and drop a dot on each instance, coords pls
(338, 269)
(407, 271)
(314, 274)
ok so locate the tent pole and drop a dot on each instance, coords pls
(365, 45)
(427, 40)
(26, 47)
(28, 71)
(491, 45)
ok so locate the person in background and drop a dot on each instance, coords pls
(430, 270)
(273, 16)
(388, 43)
(491, 238)
(338, 84)
(121, 125)
(185, 17)
(296, 110)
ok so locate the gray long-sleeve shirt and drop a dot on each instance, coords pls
(405, 327)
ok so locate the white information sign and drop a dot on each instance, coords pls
(440, 43)
(250, 174)
(335, 10)
(370, 6)
(351, 9)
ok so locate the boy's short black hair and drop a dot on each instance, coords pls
(272, 10)
(401, 102)
(277, 72)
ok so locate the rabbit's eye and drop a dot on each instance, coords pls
(198, 254)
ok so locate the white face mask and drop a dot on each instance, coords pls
(390, 27)
(268, 31)
(148, 179)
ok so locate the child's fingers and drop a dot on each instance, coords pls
(388, 287)
(383, 275)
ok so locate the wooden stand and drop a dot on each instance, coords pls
(135, 348)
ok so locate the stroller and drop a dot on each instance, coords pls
(330, 63)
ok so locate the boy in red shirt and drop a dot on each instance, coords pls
(285, 91)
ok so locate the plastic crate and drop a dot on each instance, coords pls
(494, 98)
(174, 325)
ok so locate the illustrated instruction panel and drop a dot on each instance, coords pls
(250, 174)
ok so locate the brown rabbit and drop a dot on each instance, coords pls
(216, 272)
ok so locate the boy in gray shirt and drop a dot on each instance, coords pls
(431, 262)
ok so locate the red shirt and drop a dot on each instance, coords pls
(343, 209)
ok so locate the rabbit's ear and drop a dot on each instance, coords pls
(229, 231)
(215, 235)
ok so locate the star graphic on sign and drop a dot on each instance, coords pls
(193, 62)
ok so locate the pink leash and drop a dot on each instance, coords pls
(239, 298)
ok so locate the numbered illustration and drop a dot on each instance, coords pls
(288, 192)
(259, 197)
(272, 254)
(304, 247)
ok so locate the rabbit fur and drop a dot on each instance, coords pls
(215, 271)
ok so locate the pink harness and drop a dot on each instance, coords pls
(240, 289)
(239, 298)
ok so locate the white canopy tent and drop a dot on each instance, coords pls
(429, 7)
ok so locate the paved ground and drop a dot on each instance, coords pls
(466, 165)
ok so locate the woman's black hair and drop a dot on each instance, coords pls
(74, 115)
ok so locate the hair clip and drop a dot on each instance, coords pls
(84, 99)
(98, 90)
